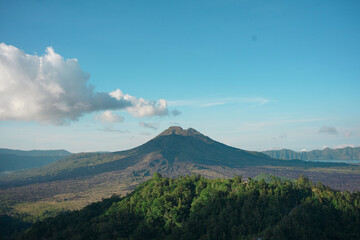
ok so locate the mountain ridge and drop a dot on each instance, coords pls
(347, 153)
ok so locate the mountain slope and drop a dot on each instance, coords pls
(176, 144)
(347, 153)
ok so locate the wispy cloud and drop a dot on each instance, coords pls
(281, 136)
(211, 104)
(175, 112)
(111, 129)
(256, 101)
(328, 130)
(149, 125)
(264, 124)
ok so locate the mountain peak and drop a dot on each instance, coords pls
(176, 130)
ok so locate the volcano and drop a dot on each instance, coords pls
(176, 145)
(88, 177)
(174, 152)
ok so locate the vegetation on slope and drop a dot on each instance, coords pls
(347, 153)
(269, 177)
(193, 207)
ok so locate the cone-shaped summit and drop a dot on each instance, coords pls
(190, 146)
(179, 131)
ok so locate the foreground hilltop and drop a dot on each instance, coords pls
(198, 208)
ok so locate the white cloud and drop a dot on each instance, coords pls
(149, 125)
(109, 117)
(140, 107)
(51, 89)
(328, 130)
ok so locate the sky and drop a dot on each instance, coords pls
(111, 75)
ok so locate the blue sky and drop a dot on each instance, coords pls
(253, 74)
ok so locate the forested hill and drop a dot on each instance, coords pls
(12, 160)
(197, 208)
(347, 153)
(35, 153)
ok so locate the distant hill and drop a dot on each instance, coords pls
(36, 153)
(12, 160)
(347, 153)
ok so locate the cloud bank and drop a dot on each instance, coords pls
(51, 89)
(109, 117)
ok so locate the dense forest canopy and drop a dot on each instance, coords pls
(347, 153)
(192, 207)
